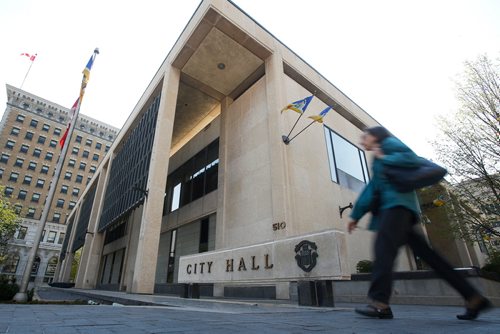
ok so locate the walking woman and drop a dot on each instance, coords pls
(394, 218)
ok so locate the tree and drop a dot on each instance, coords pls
(9, 223)
(469, 145)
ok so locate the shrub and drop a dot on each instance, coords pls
(493, 263)
(364, 266)
(8, 289)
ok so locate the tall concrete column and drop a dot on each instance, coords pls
(68, 259)
(91, 253)
(149, 235)
(275, 91)
(281, 202)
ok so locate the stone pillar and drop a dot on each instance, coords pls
(275, 91)
(91, 253)
(68, 259)
(220, 222)
(149, 235)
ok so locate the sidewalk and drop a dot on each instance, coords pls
(166, 314)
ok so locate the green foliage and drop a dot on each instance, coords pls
(493, 263)
(364, 266)
(9, 223)
(74, 265)
(8, 288)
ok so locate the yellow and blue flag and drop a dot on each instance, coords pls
(319, 118)
(299, 106)
(86, 75)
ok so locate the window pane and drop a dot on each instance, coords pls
(347, 157)
(331, 160)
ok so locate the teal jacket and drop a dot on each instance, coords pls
(395, 154)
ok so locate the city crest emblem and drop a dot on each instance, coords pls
(306, 253)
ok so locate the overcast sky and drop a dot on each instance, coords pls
(396, 59)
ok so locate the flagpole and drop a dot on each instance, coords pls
(286, 139)
(22, 296)
(29, 68)
(289, 140)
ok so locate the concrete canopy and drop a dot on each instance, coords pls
(217, 60)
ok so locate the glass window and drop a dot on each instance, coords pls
(1, 172)
(71, 204)
(18, 208)
(85, 154)
(4, 158)
(41, 139)
(79, 178)
(34, 123)
(13, 176)
(64, 189)
(74, 150)
(40, 183)
(347, 162)
(78, 139)
(31, 212)
(53, 143)
(37, 152)
(176, 197)
(49, 156)
(57, 131)
(82, 166)
(20, 118)
(61, 238)
(71, 162)
(19, 162)
(8, 191)
(29, 135)
(107, 148)
(45, 169)
(24, 148)
(10, 144)
(35, 197)
(60, 203)
(22, 194)
(67, 175)
(98, 146)
(75, 192)
(95, 157)
(92, 169)
(32, 165)
(46, 127)
(56, 218)
(21, 234)
(88, 142)
(51, 238)
(15, 131)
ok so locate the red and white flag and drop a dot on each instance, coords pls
(65, 135)
(30, 56)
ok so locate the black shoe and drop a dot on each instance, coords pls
(472, 313)
(374, 312)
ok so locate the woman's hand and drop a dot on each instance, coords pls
(352, 225)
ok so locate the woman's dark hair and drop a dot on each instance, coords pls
(378, 132)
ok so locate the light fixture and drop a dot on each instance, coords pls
(221, 66)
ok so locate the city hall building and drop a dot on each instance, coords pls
(200, 186)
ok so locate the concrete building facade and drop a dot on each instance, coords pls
(30, 131)
(200, 187)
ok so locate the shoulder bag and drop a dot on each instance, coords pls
(406, 179)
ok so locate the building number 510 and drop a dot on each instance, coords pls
(279, 226)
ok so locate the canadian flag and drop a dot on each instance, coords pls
(31, 57)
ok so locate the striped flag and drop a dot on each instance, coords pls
(319, 118)
(65, 135)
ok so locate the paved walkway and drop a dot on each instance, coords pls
(177, 315)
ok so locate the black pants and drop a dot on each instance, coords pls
(397, 229)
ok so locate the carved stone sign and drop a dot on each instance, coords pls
(286, 259)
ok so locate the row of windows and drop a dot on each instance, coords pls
(24, 149)
(85, 153)
(46, 127)
(51, 236)
(8, 191)
(29, 136)
(31, 213)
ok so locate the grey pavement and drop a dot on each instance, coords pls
(167, 314)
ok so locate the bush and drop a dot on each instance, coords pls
(364, 266)
(493, 263)
(8, 289)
